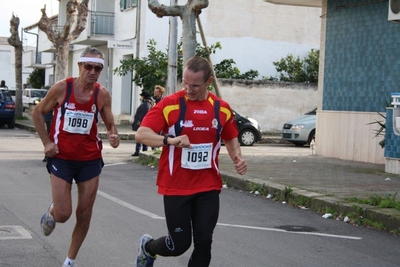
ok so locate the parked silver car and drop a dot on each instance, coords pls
(31, 97)
(301, 130)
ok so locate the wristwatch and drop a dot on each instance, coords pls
(165, 139)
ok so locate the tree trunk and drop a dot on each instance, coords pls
(189, 41)
(62, 61)
(15, 41)
(188, 13)
(62, 40)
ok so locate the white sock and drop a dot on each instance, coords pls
(69, 262)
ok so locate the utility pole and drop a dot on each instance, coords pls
(172, 53)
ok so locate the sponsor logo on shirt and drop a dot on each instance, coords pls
(70, 105)
(201, 129)
(186, 123)
(214, 123)
(199, 111)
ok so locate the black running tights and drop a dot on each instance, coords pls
(199, 211)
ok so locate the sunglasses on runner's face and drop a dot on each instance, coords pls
(89, 67)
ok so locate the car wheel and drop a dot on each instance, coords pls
(311, 136)
(11, 125)
(247, 137)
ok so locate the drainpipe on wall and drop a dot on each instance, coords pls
(137, 36)
(37, 43)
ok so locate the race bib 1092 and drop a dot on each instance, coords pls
(198, 157)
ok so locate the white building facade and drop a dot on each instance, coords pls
(252, 33)
(7, 59)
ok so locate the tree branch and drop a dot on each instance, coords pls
(197, 5)
(45, 25)
(83, 10)
(14, 38)
(162, 10)
(71, 10)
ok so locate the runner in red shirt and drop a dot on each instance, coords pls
(194, 122)
(74, 147)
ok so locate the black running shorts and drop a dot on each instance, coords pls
(70, 170)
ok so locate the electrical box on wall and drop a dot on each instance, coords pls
(396, 113)
(394, 11)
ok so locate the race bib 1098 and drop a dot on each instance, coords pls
(78, 121)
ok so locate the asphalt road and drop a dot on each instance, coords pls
(251, 231)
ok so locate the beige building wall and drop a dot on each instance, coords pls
(270, 103)
(349, 136)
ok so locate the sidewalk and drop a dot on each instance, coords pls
(311, 182)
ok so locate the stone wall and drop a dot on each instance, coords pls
(270, 103)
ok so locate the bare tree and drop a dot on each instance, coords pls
(188, 13)
(76, 14)
(16, 42)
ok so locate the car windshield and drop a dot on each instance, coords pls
(237, 114)
(39, 94)
(5, 96)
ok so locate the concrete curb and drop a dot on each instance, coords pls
(320, 203)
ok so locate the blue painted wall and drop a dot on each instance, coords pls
(392, 141)
(362, 61)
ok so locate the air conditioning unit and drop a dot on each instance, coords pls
(394, 11)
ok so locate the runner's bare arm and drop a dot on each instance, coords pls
(54, 96)
(108, 117)
(233, 148)
(147, 136)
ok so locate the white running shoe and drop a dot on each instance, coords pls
(144, 259)
(47, 222)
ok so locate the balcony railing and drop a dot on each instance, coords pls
(35, 58)
(102, 23)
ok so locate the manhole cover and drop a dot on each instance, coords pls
(13, 232)
(296, 228)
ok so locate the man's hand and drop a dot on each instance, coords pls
(240, 165)
(50, 149)
(113, 139)
(180, 141)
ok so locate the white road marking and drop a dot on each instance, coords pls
(115, 164)
(289, 232)
(129, 206)
(14, 232)
(155, 216)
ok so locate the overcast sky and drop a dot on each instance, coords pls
(28, 12)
